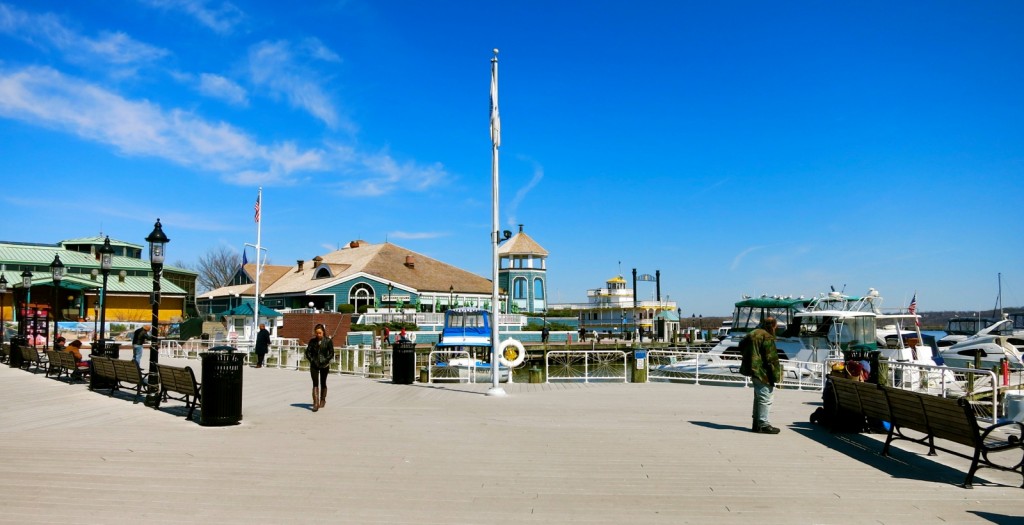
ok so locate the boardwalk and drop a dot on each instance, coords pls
(383, 453)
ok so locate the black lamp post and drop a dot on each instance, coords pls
(57, 272)
(106, 262)
(451, 295)
(156, 240)
(26, 282)
(3, 292)
(390, 288)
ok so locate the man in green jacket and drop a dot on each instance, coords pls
(766, 372)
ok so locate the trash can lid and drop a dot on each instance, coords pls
(223, 348)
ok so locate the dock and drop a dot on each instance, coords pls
(421, 453)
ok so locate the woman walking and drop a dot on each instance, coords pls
(319, 353)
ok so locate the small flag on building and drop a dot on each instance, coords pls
(245, 259)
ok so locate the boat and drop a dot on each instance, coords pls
(960, 328)
(463, 352)
(812, 331)
(988, 348)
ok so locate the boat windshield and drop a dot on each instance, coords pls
(465, 320)
(967, 326)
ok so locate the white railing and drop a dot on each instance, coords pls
(586, 366)
(694, 367)
(945, 381)
(439, 366)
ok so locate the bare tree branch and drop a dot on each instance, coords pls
(216, 268)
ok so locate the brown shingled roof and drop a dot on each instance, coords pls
(387, 262)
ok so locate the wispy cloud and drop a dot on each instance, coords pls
(45, 97)
(221, 17)
(216, 86)
(739, 258)
(282, 69)
(114, 49)
(513, 207)
(416, 235)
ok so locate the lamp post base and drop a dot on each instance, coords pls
(497, 391)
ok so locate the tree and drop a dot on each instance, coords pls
(216, 268)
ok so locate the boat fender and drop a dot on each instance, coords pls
(511, 353)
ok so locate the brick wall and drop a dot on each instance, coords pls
(300, 326)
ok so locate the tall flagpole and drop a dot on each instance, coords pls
(495, 390)
(256, 298)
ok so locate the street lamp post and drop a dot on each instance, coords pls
(157, 241)
(3, 292)
(451, 295)
(390, 288)
(106, 262)
(26, 282)
(57, 272)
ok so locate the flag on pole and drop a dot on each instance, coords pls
(245, 260)
(913, 309)
(257, 208)
(495, 119)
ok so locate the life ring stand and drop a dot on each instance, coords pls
(511, 353)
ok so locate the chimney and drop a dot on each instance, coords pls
(299, 262)
(520, 228)
(317, 260)
(353, 244)
(410, 261)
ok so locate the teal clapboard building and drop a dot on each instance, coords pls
(522, 273)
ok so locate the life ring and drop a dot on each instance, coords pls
(511, 353)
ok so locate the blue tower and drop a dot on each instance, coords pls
(522, 273)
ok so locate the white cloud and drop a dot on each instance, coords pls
(46, 97)
(276, 67)
(739, 258)
(109, 48)
(216, 86)
(221, 17)
(513, 207)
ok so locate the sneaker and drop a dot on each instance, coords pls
(767, 429)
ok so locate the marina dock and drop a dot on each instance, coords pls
(422, 453)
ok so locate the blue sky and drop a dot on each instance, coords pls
(737, 147)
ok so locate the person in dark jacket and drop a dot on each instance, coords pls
(262, 345)
(319, 353)
(139, 338)
(765, 373)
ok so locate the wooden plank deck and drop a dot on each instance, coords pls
(384, 453)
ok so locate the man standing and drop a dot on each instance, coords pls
(139, 338)
(765, 373)
(262, 344)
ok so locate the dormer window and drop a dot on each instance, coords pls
(323, 272)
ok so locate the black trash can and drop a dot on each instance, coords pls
(16, 360)
(107, 349)
(112, 350)
(403, 363)
(222, 387)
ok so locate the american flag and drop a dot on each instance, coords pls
(257, 208)
(913, 309)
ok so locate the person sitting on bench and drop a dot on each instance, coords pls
(75, 349)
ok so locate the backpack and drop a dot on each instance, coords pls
(746, 355)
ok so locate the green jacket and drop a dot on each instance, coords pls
(764, 359)
(320, 353)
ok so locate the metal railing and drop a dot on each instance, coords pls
(695, 367)
(980, 386)
(439, 367)
(586, 366)
(288, 354)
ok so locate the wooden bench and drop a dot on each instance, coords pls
(65, 364)
(29, 355)
(933, 417)
(180, 381)
(119, 371)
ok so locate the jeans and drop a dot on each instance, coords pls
(319, 373)
(763, 394)
(137, 355)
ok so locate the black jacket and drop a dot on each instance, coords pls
(262, 341)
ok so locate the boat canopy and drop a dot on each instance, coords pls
(466, 326)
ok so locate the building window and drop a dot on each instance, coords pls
(322, 273)
(538, 289)
(519, 288)
(361, 295)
